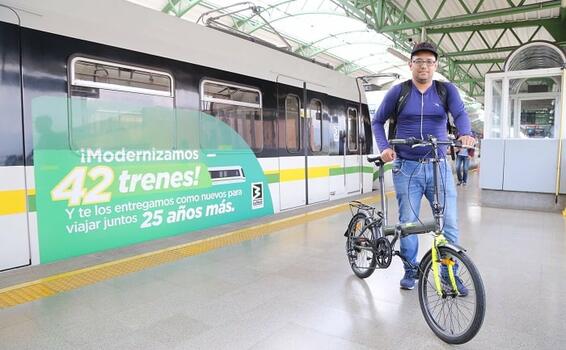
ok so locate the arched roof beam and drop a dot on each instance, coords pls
(323, 50)
(467, 81)
(553, 25)
(306, 47)
(491, 26)
(480, 51)
(172, 4)
(349, 67)
(470, 17)
(271, 21)
(481, 61)
(242, 22)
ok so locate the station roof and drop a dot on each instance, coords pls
(362, 37)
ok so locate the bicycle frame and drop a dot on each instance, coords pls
(407, 229)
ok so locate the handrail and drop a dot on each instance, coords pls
(562, 119)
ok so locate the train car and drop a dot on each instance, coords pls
(120, 125)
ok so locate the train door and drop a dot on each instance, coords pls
(291, 94)
(318, 161)
(353, 151)
(14, 235)
(337, 141)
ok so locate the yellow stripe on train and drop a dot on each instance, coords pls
(320, 171)
(13, 202)
(299, 173)
(291, 175)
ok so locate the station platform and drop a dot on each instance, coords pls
(284, 283)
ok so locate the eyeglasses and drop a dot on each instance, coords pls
(419, 62)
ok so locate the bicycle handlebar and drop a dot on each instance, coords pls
(372, 158)
(414, 142)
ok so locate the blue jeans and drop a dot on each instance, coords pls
(412, 180)
(462, 165)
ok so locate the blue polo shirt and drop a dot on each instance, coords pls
(434, 119)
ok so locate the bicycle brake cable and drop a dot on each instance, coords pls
(409, 197)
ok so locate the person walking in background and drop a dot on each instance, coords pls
(463, 156)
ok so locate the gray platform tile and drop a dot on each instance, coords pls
(29, 335)
(174, 330)
(130, 341)
(294, 336)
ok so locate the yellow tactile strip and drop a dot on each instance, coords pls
(41, 288)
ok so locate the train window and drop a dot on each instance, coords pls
(337, 134)
(114, 105)
(352, 129)
(293, 123)
(91, 73)
(112, 124)
(226, 93)
(238, 106)
(315, 121)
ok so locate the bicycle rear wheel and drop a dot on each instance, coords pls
(454, 317)
(359, 246)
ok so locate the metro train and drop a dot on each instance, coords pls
(120, 124)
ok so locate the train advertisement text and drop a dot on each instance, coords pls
(118, 175)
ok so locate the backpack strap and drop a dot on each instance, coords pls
(401, 102)
(442, 92)
(403, 95)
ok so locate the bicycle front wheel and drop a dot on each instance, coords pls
(359, 246)
(455, 316)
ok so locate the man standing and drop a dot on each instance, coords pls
(424, 114)
(463, 156)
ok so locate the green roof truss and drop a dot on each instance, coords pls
(180, 7)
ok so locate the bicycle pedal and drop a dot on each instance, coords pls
(352, 255)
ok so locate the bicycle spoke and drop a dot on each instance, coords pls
(462, 313)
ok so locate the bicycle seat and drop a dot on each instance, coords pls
(372, 158)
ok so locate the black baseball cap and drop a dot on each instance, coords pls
(424, 46)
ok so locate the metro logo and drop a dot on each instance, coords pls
(257, 195)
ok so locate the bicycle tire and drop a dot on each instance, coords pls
(455, 319)
(362, 261)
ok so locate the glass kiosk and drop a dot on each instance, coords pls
(523, 160)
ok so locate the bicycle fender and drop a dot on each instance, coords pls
(456, 247)
(352, 222)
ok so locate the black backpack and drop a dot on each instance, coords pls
(402, 101)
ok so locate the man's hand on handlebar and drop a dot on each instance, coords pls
(467, 140)
(388, 155)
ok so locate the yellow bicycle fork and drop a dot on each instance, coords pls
(440, 240)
